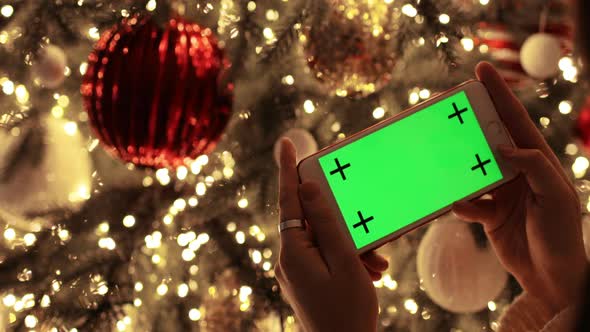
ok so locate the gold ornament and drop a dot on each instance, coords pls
(351, 49)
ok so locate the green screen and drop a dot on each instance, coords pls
(410, 169)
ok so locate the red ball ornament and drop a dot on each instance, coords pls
(153, 95)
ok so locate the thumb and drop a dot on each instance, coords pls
(482, 211)
(334, 245)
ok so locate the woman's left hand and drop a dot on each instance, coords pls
(319, 271)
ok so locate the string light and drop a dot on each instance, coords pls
(9, 234)
(7, 11)
(129, 221)
(151, 5)
(194, 314)
(492, 305)
(308, 106)
(411, 306)
(378, 112)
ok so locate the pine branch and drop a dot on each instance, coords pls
(288, 35)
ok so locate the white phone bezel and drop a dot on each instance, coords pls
(494, 130)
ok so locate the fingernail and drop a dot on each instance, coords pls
(309, 191)
(506, 150)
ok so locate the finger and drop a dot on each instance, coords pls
(375, 262)
(482, 211)
(514, 115)
(375, 276)
(290, 207)
(541, 176)
(333, 244)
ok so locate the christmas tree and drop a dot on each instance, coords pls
(138, 170)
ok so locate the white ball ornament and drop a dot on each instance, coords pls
(540, 55)
(60, 179)
(456, 274)
(50, 66)
(303, 141)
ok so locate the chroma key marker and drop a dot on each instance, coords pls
(363, 222)
(458, 113)
(340, 169)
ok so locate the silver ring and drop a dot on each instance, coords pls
(291, 223)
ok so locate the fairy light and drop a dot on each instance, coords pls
(468, 44)
(63, 101)
(484, 2)
(568, 67)
(243, 203)
(137, 302)
(272, 15)
(64, 234)
(424, 94)
(70, 128)
(378, 112)
(9, 234)
(151, 5)
(181, 172)
(83, 68)
(21, 93)
(565, 107)
(200, 189)
(9, 300)
(185, 238)
(56, 285)
(256, 257)
(288, 80)
(492, 305)
(411, 306)
(103, 228)
(57, 111)
(444, 19)
(388, 282)
(414, 98)
(162, 289)
(102, 288)
(31, 321)
(182, 290)
(231, 226)
(269, 35)
(244, 296)
(180, 204)
(580, 166)
(571, 149)
(168, 219)
(162, 176)
(93, 33)
(8, 87)
(308, 106)
(107, 243)
(228, 172)
(45, 301)
(153, 241)
(29, 239)
(193, 201)
(409, 10)
(7, 11)
(129, 221)
(194, 314)
(240, 237)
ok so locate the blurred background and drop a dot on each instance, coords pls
(138, 156)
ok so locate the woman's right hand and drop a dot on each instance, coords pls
(533, 222)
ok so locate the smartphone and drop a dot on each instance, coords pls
(409, 169)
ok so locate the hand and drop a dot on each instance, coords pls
(319, 272)
(533, 222)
